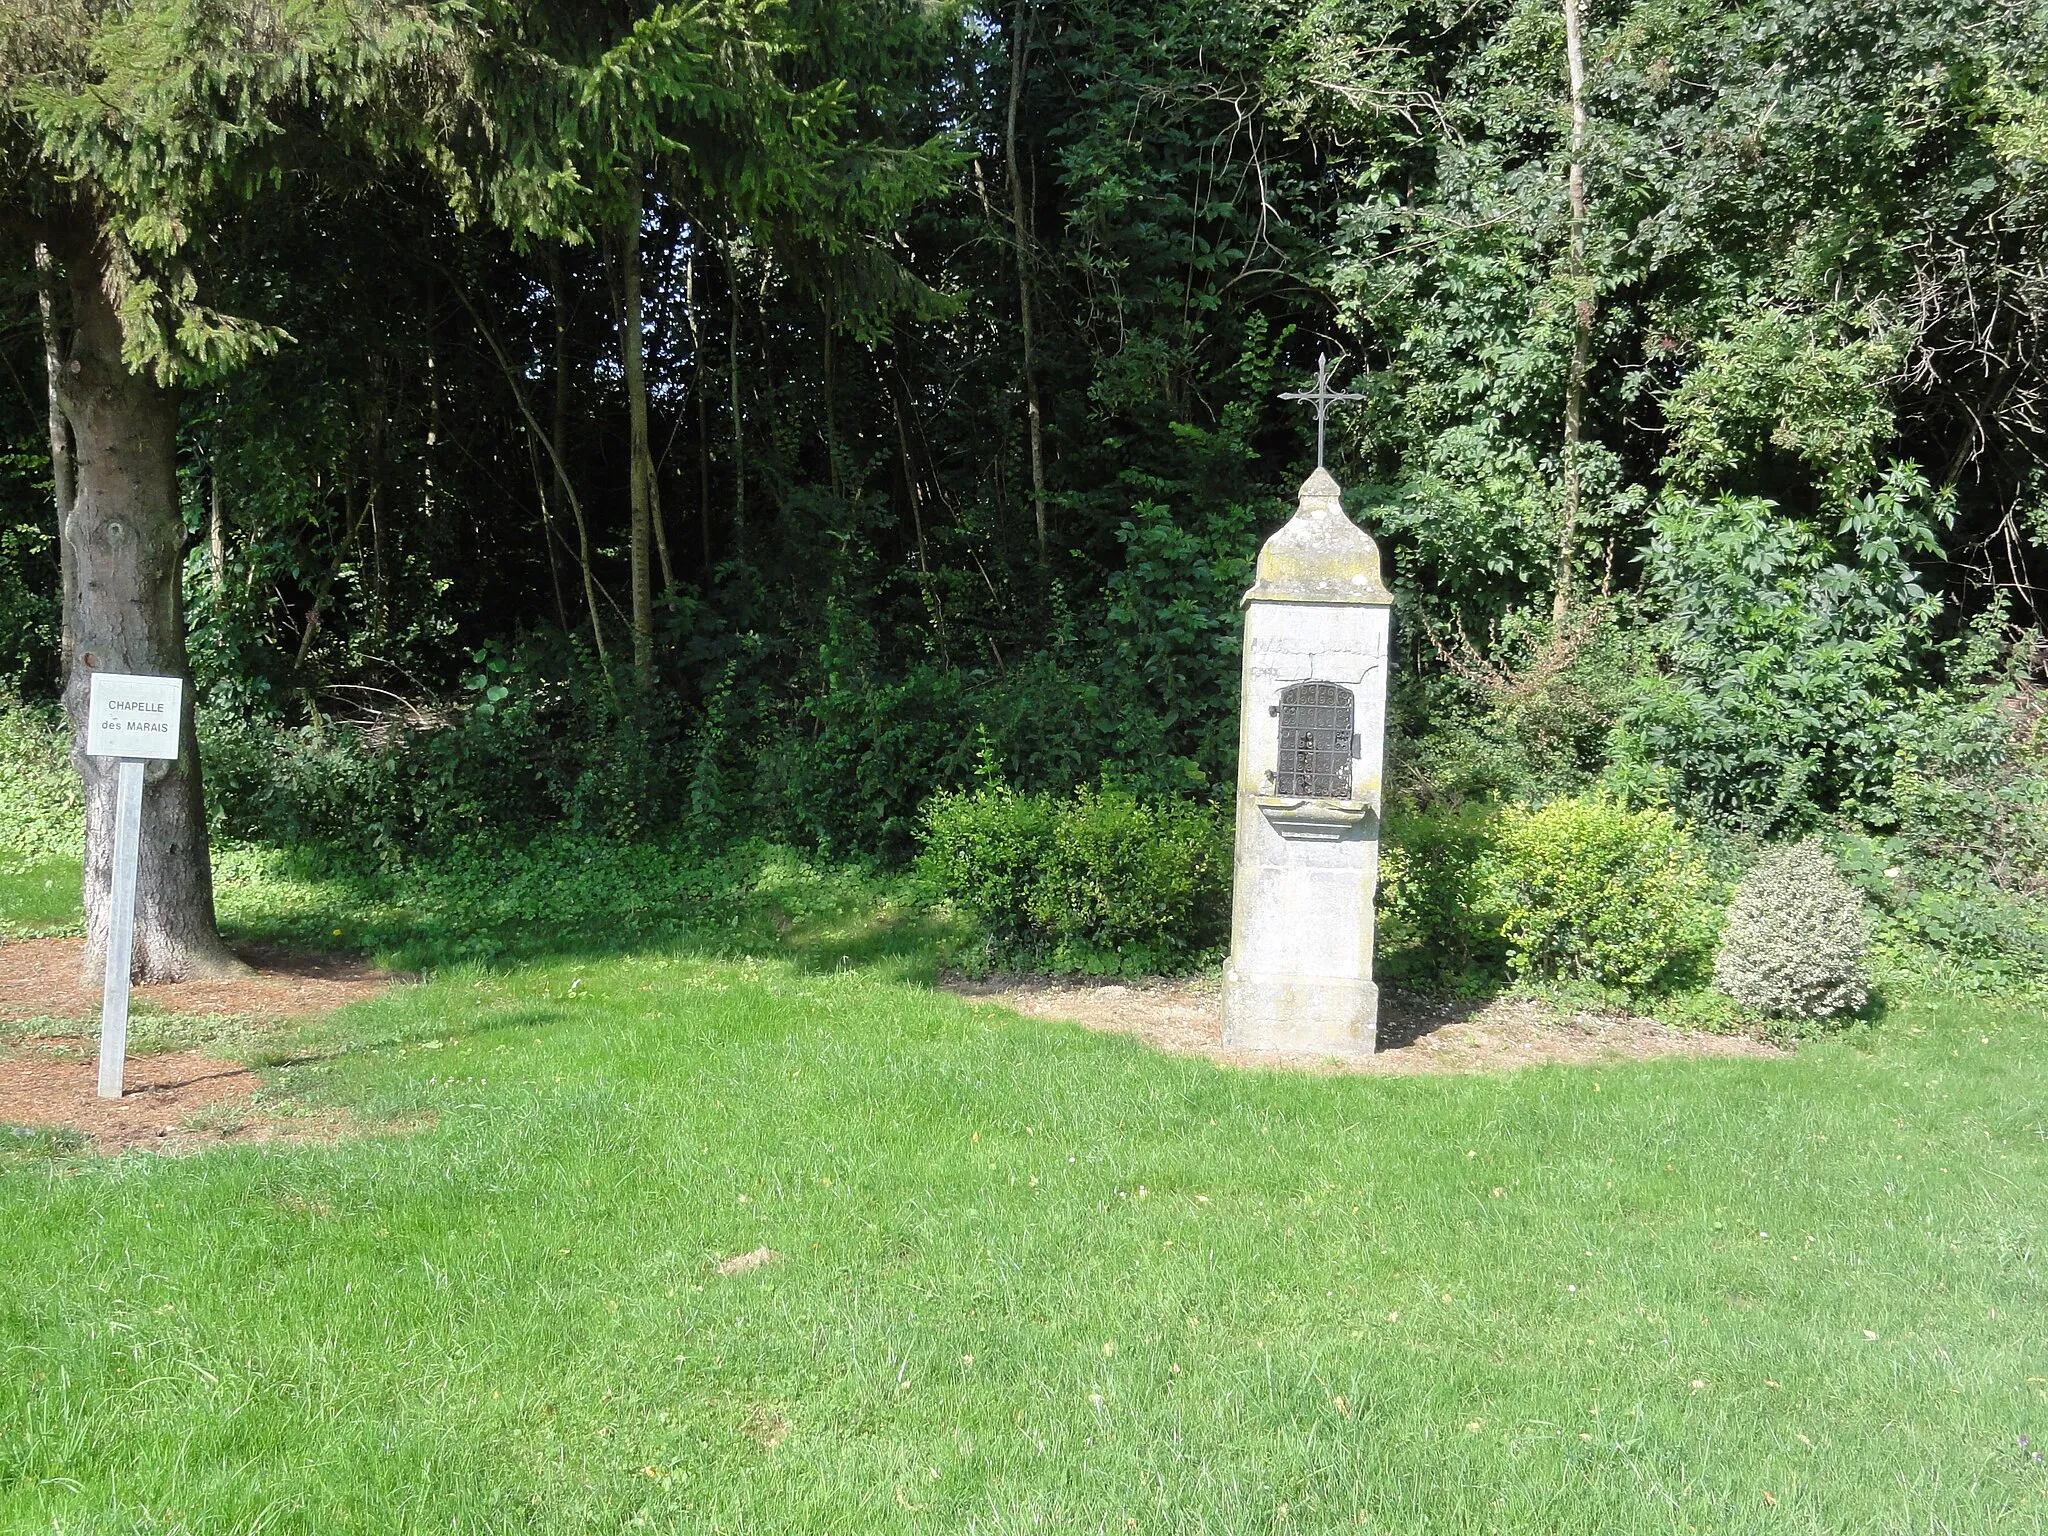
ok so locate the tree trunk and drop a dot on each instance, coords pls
(558, 447)
(739, 433)
(641, 458)
(122, 613)
(216, 531)
(427, 497)
(699, 387)
(1033, 416)
(379, 413)
(831, 405)
(63, 459)
(910, 481)
(548, 536)
(1582, 314)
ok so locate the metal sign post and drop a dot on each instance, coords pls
(132, 719)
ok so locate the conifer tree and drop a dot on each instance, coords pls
(138, 131)
(130, 132)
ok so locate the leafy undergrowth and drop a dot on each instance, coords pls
(563, 895)
(39, 898)
(42, 809)
(1033, 1278)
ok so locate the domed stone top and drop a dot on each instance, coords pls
(1321, 556)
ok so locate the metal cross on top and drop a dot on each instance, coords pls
(1323, 397)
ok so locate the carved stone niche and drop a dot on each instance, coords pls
(1310, 742)
(1310, 787)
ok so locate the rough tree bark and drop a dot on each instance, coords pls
(1582, 313)
(217, 531)
(123, 557)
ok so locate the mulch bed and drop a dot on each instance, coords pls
(1417, 1035)
(43, 979)
(176, 1101)
(159, 1096)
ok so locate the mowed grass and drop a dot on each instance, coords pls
(1034, 1279)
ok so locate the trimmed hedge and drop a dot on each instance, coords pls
(1101, 881)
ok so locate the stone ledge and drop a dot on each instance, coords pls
(1315, 821)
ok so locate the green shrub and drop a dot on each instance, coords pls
(984, 851)
(1794, 942)
(1795, 646)
(1103, 881)
(1956, 865)
(1532, 719)
(1131, 884)
(517, 752)
(1587, 891)
(1437, 927)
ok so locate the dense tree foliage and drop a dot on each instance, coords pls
(133, 133)
(752, 417)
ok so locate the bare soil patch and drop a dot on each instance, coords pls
(765, 1426)
(1416, 1034)
(41, 979)
(177, 1102)
(173, 1101)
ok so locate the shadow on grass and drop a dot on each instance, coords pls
(320, 1044)
(564, 898)
(557, 901)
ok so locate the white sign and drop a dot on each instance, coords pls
(130, 718)
(134, 716)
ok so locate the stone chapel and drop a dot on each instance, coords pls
(1312, 727)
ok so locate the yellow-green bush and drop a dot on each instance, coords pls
(1588, 891)
(984, 851)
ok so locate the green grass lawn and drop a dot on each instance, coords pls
(1034, 1278)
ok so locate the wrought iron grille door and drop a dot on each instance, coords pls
(1316, 741)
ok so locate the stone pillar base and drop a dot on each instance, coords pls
(1326, 1015)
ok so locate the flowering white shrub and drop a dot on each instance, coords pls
(1793, 946)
